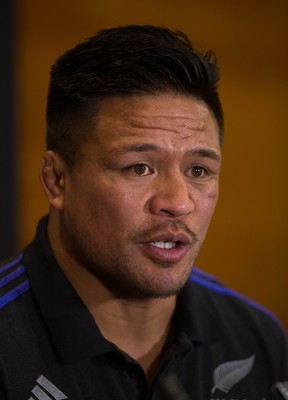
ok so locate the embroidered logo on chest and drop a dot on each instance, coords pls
(45, 390)
(226, 375)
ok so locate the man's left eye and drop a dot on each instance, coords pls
(198, 171)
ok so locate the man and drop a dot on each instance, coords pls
(102, 304)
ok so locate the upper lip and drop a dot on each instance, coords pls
(180, 237)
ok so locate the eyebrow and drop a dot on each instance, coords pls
(206, 153)
(149, 147)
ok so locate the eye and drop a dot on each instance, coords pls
(140, 169)
(198, 171)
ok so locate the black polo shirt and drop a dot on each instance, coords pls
(222, 346)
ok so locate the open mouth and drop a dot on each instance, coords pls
(167, 246)
(164, 245)
(167, 251)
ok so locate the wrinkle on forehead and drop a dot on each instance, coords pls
(180, 115)
(177, 124)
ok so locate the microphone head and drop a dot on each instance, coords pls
(282, 389)
(169, 388)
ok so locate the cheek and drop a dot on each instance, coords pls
(112, 206)
(206, 207)
(212, 199)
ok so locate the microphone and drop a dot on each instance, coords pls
(282, 388)
(169, 388)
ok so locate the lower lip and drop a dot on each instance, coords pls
(172, 255)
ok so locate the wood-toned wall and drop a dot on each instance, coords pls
(247, 243)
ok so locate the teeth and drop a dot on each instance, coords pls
(164, 245)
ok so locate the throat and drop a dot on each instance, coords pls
(147, 354)
(139, 331)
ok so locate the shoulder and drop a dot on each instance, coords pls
(15, 301)
(13, 281)
(243, 323)
(234, 309)
(23, 335)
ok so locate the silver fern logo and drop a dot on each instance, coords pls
(226, 375)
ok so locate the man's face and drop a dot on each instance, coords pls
(138, 203)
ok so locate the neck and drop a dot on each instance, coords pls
(138, 327)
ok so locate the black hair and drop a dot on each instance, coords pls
(124, 61)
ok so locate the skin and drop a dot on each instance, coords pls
(147, 175)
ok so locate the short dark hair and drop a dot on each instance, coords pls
(124, 61)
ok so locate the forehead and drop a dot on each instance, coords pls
(164, 117)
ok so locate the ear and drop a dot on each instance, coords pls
(52, 174)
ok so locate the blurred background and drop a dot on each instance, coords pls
(247, 243)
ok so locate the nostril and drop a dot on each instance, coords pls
(171, 196)
(171, 207)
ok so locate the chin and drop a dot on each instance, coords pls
(159, 290)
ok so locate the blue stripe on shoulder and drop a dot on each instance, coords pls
(11, 264)
(217, 287)
(205, 275)
(14, 293)
(11, 277)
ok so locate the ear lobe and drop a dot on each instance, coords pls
(52, 179)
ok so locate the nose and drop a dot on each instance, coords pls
(172, 197)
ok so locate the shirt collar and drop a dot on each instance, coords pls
(67, 317)
(194, 316)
